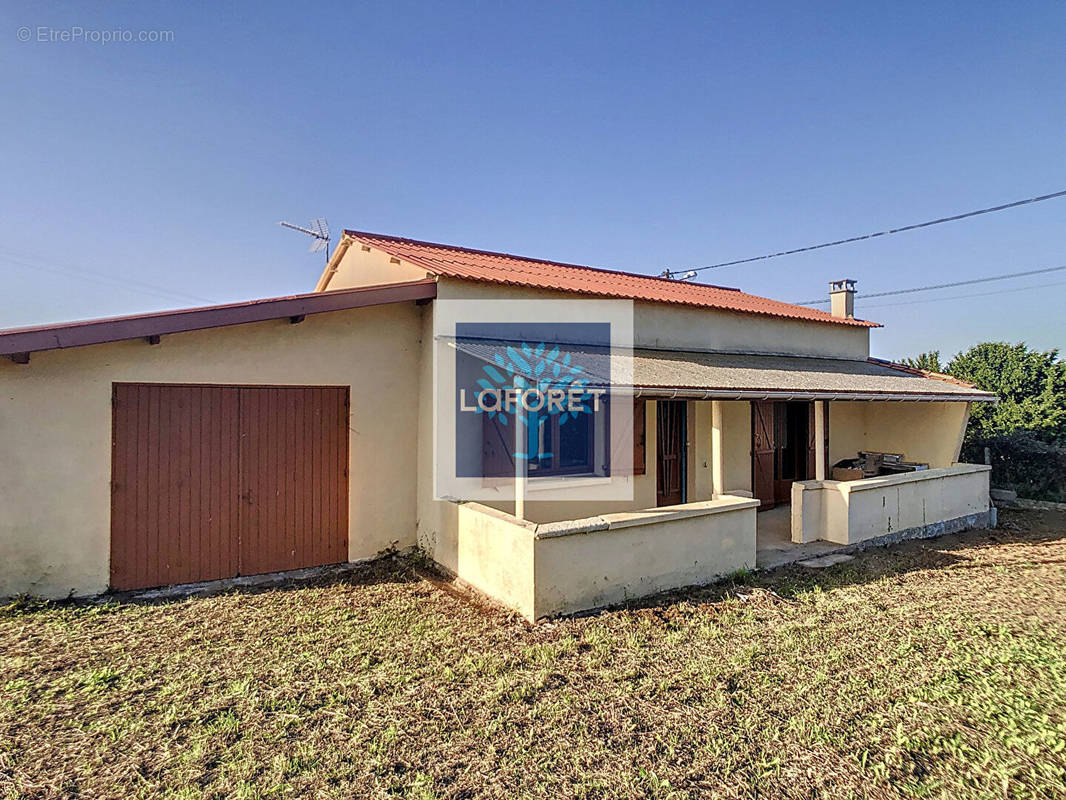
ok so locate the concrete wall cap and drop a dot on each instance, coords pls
(489, 511)
(880, 481)
(627, 519)
(569, 527)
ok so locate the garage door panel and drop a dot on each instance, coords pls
(291, 441)
(168, 511)
(121, 478)
(217, 481)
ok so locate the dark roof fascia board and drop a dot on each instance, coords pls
(117, 329)
(689, 393)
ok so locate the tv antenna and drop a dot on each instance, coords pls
(677, 275)
(318, 230)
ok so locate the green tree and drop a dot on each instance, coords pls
(1031, 386)
(930, 361)
(1025, 433)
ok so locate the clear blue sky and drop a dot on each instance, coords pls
(637, 136)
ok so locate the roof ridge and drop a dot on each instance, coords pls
(490, 266)
(606, 270)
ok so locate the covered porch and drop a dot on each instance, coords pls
(778, 424)
(737, 452)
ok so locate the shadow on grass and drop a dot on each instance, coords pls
(874, 564)
(787, 582)
(387, 569)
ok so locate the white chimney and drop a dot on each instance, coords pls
(842, 298)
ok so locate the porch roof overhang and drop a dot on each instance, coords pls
(700, 375)
(743, 376)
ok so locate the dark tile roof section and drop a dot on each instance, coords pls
(114, 329)
(503, 268)
(750, 375)
(938, 376)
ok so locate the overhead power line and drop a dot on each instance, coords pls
(965, 296)
(34, 263)
(944, 285)
(864, 237)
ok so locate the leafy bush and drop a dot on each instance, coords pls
(1022, 461)
(1026, 430)
(1031, 386)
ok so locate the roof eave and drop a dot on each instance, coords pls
(23, 341)
(696, 393)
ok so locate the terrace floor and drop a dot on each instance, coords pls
(773, 540)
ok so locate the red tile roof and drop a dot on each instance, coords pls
(482, 265)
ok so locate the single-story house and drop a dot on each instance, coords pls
(286, 433)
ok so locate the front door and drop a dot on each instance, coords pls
(670, 467)
(782, 449)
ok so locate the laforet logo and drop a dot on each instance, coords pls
(531, 397)
(538, 382)
(532, 393)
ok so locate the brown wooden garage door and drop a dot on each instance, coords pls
(218, 481)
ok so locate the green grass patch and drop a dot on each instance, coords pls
(935, 669)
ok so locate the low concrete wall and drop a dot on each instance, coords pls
(494, 554)
(619, 557)
(576, 565)
(847, 512)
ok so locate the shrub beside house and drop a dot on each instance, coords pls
(1025, 433)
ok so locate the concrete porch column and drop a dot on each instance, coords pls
(717, 460)
(819, 440)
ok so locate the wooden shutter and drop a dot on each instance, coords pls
(640, 426)
(497, 447)
(762, 452)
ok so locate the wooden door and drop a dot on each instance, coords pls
(670, 472)
(213, 482)
(812, 444)
(784, 456)
(174, 484)
(294, 478)
(763, 452)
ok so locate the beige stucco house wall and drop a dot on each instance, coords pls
(736, 445)
(929, 432)
(55, 415)
(670, 326)
(356, 264)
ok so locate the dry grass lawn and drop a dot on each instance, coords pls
(933, 669)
